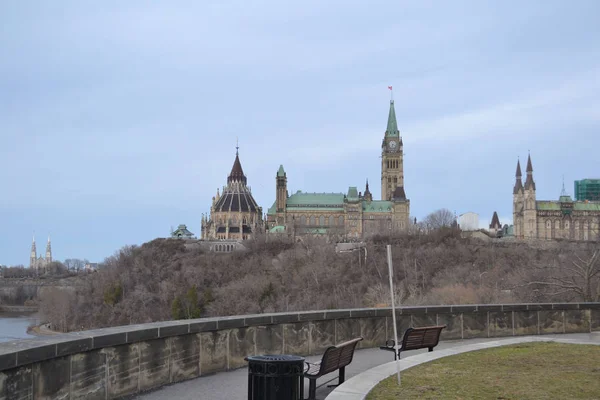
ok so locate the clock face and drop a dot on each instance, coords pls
(393, 144)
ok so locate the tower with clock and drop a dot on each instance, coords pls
(392, 159)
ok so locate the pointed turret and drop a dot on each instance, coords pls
(518, 182)
(392, 125)
(529, 183)
(368, 196)
(237, 173)
(32, 254)
(495, 224)
(48, 251)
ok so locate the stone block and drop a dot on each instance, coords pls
(269, 339)
(241, 345)
(88, 375)
(173, 329)
(110, 339)
(73, 346)
(16, 383)
(453, 324)
(154, 363)
(576, 321)
(257, 320)
(422, 320)
(185, 357)
(142, 334)
(363, 313)
(595, 319)
(296, 338)
(403, 322)
(51, 378)
(372, 330)
(337, 314)
(469, 308)
(539, 306)
(346, 329)
(526, 323)
(213, 351)
(231, 323)
(35, 354)
(551, 322)
(500, 324)
(489, 307)
(565, 306)
(204, 326)
(123, 369)
(474, 325)
(322, 335)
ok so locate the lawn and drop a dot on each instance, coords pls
(537, 370)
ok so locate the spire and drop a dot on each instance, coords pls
(368, 196)
(564, 191)
(518, 174)
(392, 125)
(237, 173)
(518, 182)
(280, 171)
(495, 224)
(48, 251)
(529, 183)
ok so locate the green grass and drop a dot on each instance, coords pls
(538, 370)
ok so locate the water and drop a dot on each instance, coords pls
(13, 326)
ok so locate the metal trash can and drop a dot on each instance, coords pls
(275, 377)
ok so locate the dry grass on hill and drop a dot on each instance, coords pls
(162, 280)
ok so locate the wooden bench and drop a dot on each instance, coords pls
(416, 338)
(334, 358)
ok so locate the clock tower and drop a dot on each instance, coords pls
(392, 158)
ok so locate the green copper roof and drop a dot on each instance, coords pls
(377, 206)
(315, 199)
(352, 193)
(277, 229)
(577, 206)
(281, 172)
(392, 125)
(273, 209)
(565, 199)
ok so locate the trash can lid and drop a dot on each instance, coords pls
(275, 357)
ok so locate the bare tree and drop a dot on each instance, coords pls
(439, 219)
(576, 276)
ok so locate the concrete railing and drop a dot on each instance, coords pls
(115, 362)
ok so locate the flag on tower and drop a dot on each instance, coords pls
(389, 87)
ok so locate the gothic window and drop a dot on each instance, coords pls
(548, 226)
(331, 220)
(341, 220)
(303, 220)
(566, 224)
(370, 217)
(244, 221)
(389, 180)
(395, 180)
(557, 224)
(312, 220)
(322, 220)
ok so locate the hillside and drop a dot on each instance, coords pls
(162, 280)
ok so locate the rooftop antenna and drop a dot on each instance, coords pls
(563, 192)
(237, 145)
(391, 94)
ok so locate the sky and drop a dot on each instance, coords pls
(118, 120)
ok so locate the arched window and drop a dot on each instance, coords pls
(548, 226)
(331, 220)
(389, 180)
(303, 220)
(322, 220)
(341, 220)
(395, 180)
(312, 220)
(244, 221)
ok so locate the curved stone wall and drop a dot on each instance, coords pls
(115, 362)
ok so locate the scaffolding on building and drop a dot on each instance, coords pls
(587, 189)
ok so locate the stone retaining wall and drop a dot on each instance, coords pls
(114, 362)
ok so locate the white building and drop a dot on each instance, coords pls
(469, 221)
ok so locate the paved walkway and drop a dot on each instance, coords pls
(233, 385)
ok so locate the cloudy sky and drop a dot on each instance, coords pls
(119, 119)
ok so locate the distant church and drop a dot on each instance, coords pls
(551, 219)
(40, 263)
(353, 213)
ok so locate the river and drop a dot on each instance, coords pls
(13, 326)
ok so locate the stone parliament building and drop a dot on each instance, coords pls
(551, 219)
(354, 214)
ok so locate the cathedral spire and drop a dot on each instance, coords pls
(518, 182)
(529, 183)
(392, 125)
(48, 251)
(368, 196)
(237, 173)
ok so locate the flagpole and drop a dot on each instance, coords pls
(391, 273)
